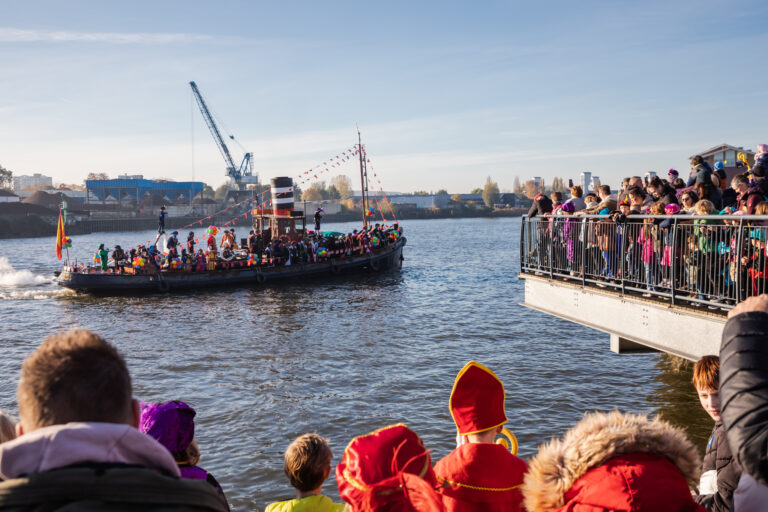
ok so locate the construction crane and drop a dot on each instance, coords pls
(240, 176)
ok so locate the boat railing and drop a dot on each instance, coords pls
(710, 260)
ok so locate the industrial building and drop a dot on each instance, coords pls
(137, 190)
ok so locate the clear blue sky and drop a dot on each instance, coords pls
(445, 93)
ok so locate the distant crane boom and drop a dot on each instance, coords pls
(246, 166)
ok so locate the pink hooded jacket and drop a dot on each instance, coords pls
(59, 446)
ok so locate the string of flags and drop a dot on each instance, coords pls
(313, 173)
(334, 162)
(381, 188)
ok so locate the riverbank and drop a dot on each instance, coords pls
(33, 226)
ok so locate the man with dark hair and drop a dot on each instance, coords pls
(542, 205)
(78, 444)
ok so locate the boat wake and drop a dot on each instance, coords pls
(16, 284)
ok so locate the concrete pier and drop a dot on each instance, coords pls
(633, 323)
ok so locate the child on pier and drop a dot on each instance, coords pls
(479, 475)
(720, 472)
(307, 466)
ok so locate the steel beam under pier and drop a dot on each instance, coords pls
(635, 324)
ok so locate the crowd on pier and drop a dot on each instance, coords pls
(255, 250)
(687, 235)
(82, 442)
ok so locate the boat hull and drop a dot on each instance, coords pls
(108, 284)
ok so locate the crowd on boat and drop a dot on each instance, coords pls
(648, 231)
(82, 442)
(225, 253)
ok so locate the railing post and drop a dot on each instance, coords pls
(583, 235)
(622, 253)
(672, 277)
(522, 240)
(739, 252)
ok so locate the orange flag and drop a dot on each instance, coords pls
(59, 236)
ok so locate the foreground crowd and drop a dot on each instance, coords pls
(84, 443)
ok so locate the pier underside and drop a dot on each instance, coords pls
(634, 324)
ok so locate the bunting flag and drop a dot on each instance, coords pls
(59, 236)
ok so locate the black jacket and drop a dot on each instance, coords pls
(541, 207)
(108, 487)
(744, 391)
(718, 458)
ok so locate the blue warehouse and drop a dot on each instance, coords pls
(136, 189)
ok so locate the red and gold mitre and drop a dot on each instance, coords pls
(477, 400)
(387, 469)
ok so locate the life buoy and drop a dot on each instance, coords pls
(375, 265)
(260, 278)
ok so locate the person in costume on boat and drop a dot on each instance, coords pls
(388, 470)
(103, 256)
(191, 242)
(307, 466)
(172, 244)
(212, 249)
(118, 255)
(319, 218)
(161, 220)
(480, 475)
(172, 424)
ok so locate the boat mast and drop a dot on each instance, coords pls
(363, 180)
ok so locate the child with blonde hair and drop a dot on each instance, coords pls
(307, 466)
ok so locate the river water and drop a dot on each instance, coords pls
(343, 356)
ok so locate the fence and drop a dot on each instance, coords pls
(711, 260)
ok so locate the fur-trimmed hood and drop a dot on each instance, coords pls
(597, 438)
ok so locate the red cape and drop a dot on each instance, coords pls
(481, 477)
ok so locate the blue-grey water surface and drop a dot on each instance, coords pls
(342, 356)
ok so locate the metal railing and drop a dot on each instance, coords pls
(711, 260)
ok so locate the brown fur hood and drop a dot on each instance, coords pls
(597, 438)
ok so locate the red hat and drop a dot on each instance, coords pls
(388, 469)
(477, 400)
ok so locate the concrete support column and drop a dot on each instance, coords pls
(621, 345)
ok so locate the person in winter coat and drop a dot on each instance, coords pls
(479, 475)
(720, 473)
(661, 191)
(542, 205)
(79, 447)
(760, 169)
(744, 398)
(748, 197)
(614, 462)
(701, 171)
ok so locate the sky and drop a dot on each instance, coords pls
(445, 93)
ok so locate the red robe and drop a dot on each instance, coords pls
(481, 477)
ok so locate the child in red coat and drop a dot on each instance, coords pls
(480, 475)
